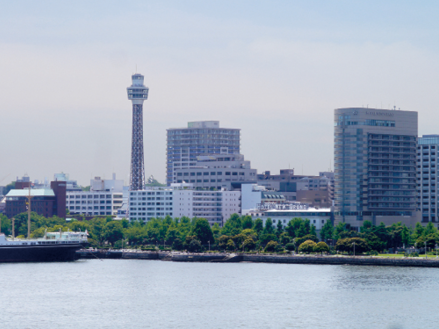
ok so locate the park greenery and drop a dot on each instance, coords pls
(239, 234)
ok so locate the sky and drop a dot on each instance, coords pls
(274, 69)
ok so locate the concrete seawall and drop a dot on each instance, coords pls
(259, 258)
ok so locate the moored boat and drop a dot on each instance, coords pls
(53, 247)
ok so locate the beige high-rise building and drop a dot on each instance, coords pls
(375, 166)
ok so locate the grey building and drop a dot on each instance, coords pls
(199, 138)
(317, 191)
(428, 146)
(375, 166)
(216, 172)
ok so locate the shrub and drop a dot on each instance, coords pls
(290, 246)
(321, 247)
(271, 246)
(307, 246)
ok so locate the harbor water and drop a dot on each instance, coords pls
(156, 294)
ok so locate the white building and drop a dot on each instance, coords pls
(104, 198)
(182, 200)
(284, 213)
(216, 172)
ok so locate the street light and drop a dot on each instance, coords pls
(425, 249)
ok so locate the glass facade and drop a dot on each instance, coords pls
(374, 165)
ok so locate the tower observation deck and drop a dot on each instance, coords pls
(137, 93)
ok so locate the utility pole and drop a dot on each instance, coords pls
(29, 197)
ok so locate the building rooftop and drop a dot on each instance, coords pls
(33, 192)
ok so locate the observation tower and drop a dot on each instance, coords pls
(137, 93)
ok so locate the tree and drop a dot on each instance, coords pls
(269, 229)
(312, 230)
(216, 230)
(247, 222)
(113, 231)
(249, 244)
(301, 240)
(271, 246)
(347, 245)
(232, 226)
(203, 232)
(259, 226)
(177, 244)
(230, 245)
(307, 246)
(194, 246)
(321, 247)
(327, 231)
(405, 236)
(339, 228)
(284, 238)
(265, 238)
(279, 228)
(290, 246)
(293, 227)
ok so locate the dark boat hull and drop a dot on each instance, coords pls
(45, 253)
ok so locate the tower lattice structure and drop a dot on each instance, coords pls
(137, 93)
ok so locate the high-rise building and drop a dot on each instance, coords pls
(428, 157)
(375, 166)
(199, 138)
(137, 93)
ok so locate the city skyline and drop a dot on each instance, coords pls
(269, 71)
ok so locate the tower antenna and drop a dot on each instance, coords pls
(137, 93)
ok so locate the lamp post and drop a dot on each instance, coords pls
(425, 249)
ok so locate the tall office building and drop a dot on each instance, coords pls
(199, 138)
(428, 157)
(137, 93)
(375, 166)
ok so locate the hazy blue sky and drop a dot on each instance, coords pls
(275, 69)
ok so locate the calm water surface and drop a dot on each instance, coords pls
(154, 294)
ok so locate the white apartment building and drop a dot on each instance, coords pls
(104, 198)
(216, 172)
(182, 200)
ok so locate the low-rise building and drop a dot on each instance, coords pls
(104, 198)
(216, 172)
(283, 213)
(182, 199)
(47, 202)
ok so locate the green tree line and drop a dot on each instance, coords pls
(239, 233)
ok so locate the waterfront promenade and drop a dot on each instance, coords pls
(259, 258)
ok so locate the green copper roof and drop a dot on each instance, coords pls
(33, 192)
